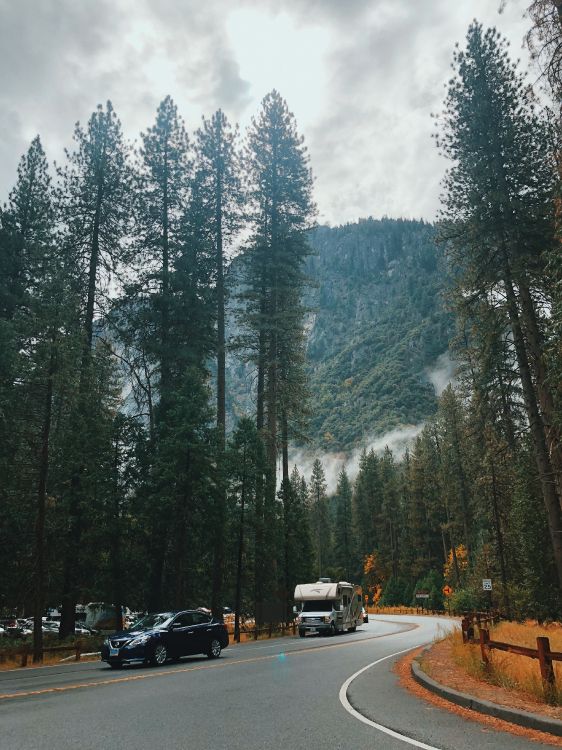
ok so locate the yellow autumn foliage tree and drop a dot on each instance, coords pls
(462, 561)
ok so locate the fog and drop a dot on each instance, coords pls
(442, 374)
(397, 439)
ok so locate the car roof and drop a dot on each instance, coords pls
(173, 613)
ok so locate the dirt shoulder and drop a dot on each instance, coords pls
(402, 668)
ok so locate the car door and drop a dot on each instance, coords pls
(181, 635)
(202, 626)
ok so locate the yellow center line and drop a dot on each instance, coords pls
(217, 665)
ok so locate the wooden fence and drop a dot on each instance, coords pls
(410, 611)
(25, 652)
(282, 629)
(542, 652)
(478, 619)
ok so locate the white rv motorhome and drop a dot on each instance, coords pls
(327, 607)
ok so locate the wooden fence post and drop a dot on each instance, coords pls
(77, 652)
(24, 655)
(547, 668)
(256, 633)
(484, 640)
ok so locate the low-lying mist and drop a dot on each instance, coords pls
(443, 373)
(397, 439)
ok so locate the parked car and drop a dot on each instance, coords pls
(2, 631)
(365, 615)
(19, 631)
(158, 637)
(81, 629)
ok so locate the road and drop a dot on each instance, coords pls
(284, 693)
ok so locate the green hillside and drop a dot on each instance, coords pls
(377, 325)
(379, 322)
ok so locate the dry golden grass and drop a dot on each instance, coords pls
(48, 660)
(400, 611)
(512, 671)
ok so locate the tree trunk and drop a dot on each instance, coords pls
(537, 429)
(499, 539)
(72, 556)
(238, 595)
(116, 567)
(287, 510)
(39, 598)
(534, 341)
(220, 520)
(259, 557)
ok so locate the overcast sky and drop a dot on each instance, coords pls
(361, 76)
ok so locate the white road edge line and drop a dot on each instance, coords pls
(349, 708)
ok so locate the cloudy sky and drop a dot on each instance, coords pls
(361, 76)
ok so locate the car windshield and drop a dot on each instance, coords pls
(148, 622)
(318, 606)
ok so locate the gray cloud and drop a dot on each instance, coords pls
(367, 119)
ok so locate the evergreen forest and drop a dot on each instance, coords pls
(173, 323)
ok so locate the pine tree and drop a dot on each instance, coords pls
(94, 202)
(280, 205)
(367, 508)
(499, 206)
(30, 217)
(217, 184)
(246, 461)
(164, 171)
(545, 40)
(320, 521)
(343, 527)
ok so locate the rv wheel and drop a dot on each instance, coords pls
(301, 633)
(332, 629)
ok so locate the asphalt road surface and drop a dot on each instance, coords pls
(288, 693)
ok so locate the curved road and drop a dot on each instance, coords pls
(284, 693)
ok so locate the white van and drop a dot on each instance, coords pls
(327, 607)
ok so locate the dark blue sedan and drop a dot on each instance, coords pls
(157, 638)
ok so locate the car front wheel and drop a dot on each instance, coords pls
(214, 649)
(159, 655)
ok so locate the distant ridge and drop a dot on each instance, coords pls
(377, 327)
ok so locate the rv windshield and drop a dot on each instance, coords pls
(319, 605)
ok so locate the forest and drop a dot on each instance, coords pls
(132, 276)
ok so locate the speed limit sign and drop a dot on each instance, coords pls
(487, 584)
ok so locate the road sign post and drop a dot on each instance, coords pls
(421, 596)
(487, 586)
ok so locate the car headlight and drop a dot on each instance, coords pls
(106, 642)
(326, 619)
(138, 641)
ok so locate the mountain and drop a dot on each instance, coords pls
(376, 328)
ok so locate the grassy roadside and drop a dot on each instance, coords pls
(510, 674)
(10, 658)
(10, 655)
